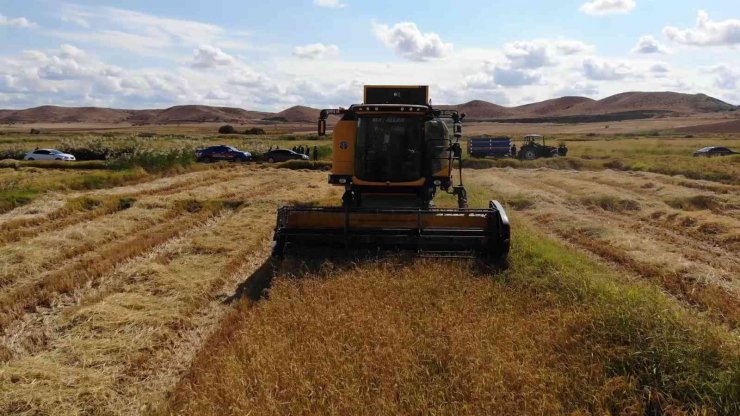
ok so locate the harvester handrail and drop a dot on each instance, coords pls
(389, 210)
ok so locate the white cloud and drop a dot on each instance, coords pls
(77, 20)
(512, 77)
(325, 95)
(660, 68)
(71, 51)
(246, 77)
(726, 78)
(137, 32)
(34, 55)
(601, 70)
(539, 53)
(706, 32)
(648, 44)
(408, 41)
(527, 54)
(571, 47)
(207, 56)
(20, 22)
(604, 7)
(316, 51)
(331, 4)
(579, 89)
(70, 76)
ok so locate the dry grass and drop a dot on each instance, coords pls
(553, 335)
(93, 265)
(139, 296)
(689, 254)
(124, 339)
(610, 203)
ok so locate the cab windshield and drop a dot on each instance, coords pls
(389, 148)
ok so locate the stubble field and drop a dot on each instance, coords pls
(623, 297)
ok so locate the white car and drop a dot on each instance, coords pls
(48, 154)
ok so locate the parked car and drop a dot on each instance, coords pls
(281, 155)
(223, 152)
(714, 151)
(48, 154)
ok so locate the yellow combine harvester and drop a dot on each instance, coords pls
(392, 154)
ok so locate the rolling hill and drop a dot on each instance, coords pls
(643, 104)
(297, 113)
(480, 109)
(204, 113)
(570, 109)
(172, 115)
(555, 106)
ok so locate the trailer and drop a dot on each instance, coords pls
(499, 146)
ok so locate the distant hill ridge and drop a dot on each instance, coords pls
(566, 107)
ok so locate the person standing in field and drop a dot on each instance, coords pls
(315, 153)
(513, 150)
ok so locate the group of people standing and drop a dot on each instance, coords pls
(306, 150)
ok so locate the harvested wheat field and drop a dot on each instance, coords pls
(621, 298)
(102, 310)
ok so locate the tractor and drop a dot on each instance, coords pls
(533, 149)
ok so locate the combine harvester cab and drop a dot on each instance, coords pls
(392, 154)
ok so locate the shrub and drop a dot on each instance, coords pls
(91, 149)
(256, 131)
(16, 154)
(86, 153)
(126, 203)
(154, 160)
(226, 129)
(35, 131)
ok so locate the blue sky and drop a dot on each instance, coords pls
(268, 55)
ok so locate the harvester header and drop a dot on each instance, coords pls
(392, 154)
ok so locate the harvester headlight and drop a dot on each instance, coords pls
(342, 180)
(437, 182)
